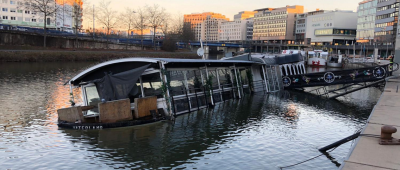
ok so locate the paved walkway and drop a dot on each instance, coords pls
(367, 154)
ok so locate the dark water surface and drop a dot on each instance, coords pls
(256, 132)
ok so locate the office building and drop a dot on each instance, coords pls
(276, 24)
(238, 30)
(331, 27)
(196, 21)
(301, 21)
(366, 21)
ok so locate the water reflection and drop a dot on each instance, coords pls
(257, 132)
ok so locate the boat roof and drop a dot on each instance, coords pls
(124, 64)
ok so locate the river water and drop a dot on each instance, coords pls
(257, 132)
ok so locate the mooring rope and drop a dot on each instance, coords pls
(306, 160)
(358, 131)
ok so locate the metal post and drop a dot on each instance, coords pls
(237, 81)
(233, 92)
(165, 81)
(187, 87)
(187, 98)
(197, 100)
(266, 73)
(265, 80)
(141, 86)
(219, 84)
(212, 101)
(205, 95)
(222, 94)
(72, 92)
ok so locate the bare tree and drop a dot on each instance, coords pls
(88, 15)
(47, 8)
(177, 24)
(156, 15)
(106, 16)
(141, 22)
(166, 25)
(127, 21)
(77, 17)
(187, 33)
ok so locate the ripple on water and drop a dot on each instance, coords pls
(257, 132)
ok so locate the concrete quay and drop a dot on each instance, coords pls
(367, 153)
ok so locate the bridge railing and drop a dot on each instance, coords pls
(355, 75)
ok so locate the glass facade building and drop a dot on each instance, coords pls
(366, 20)
(386, 21)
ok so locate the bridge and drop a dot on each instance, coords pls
(352, 78)
(220, 44)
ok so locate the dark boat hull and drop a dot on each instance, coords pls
(94, 126)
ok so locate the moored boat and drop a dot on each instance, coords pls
(317, 58)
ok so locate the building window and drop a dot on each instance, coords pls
(27, 19)
(5, 9)
(12, 18)
(4, 1)
(33, 20)
(27, 12)
(5, 17)
(19, 11)
(12, 2)
(13, 10)
(20, 18)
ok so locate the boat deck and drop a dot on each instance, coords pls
(368, 154)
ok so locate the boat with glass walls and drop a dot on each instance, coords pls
(135, 91)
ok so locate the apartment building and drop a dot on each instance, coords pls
(15, 13)
(276, 24)
(196, 21)
(366, 21)
(210, 29)
(238, 30)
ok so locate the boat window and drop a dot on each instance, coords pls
(92, 96)
(92, 99)
(152, 85)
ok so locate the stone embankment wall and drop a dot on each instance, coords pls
(33, 39)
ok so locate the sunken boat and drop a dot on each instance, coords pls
(136, 91)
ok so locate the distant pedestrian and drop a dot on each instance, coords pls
(391, 59)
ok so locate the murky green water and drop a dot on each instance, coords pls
(257, 132)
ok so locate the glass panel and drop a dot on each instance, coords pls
(194, 81)
(152, 85)
(92, 96)
(177, 82)
(224, 78)
(214, 79)
(243, 75)
(181, 105)
(93, 99)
